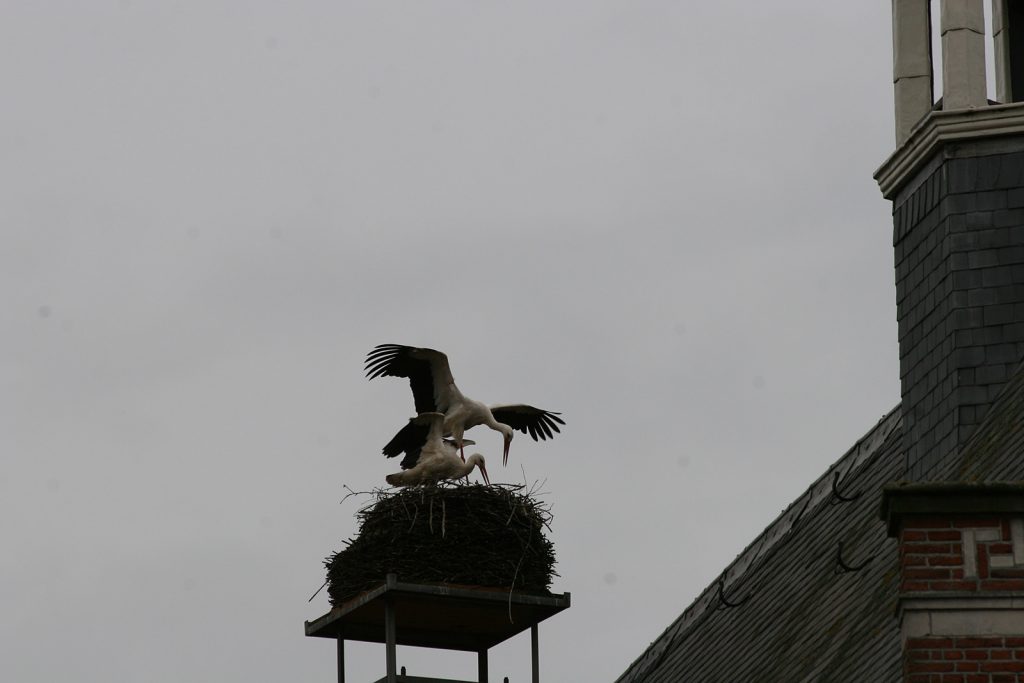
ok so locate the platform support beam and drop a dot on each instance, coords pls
(390, 641)
(534, 647)
(481, 666)
(437, 617)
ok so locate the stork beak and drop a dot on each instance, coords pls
(483, 471)
(508, 442)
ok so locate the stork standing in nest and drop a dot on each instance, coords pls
(434, 390)
(429, 457)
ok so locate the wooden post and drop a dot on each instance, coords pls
(341, 660)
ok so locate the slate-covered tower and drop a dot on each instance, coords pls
(812, 598)
(956, 181)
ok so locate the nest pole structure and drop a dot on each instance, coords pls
(475, 570)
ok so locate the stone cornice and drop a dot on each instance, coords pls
(942, 127)
(949, 498)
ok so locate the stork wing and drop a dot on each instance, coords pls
(427, 370)
(411, 438)
(408, 440)
(539, 423)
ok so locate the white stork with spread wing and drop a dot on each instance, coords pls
(434, 390)
(429, 458)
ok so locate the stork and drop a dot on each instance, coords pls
(434, 390)
(429, 458)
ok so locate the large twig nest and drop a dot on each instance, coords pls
(463, 534)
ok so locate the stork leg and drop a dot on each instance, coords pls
(462, 452)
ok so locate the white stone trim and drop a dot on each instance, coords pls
(962, 14)
(923, 617)
(963, 59)
(1017, 539)
(911, 39)
(971, 538)
(1016, 557)
(1001, 562)
(944, 127)
(911, 63)
(1001, 51)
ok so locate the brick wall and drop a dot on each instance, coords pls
(975, 561)
(958, 236)
(938, 554)
(979, 659)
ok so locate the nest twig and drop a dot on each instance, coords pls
(489, 536)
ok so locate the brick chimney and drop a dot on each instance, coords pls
(956, 181)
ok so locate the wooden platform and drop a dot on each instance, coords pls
(437, 616)
(430, 615)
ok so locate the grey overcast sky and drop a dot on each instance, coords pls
(656, 217)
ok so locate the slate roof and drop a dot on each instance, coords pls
(800, 616)
(995, 451)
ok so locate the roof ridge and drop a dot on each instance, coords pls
(821, 489)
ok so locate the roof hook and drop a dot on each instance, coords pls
(843, 567)
(723, 602)
(796, 520)
(840, 497)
